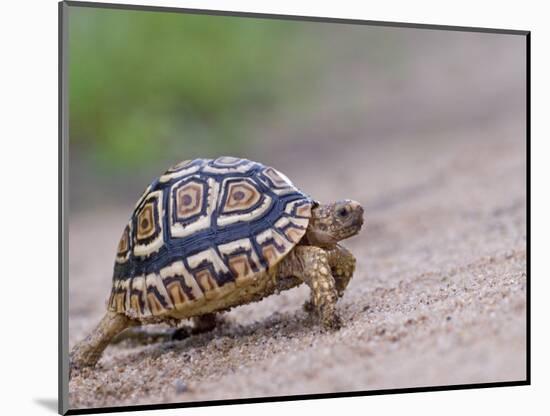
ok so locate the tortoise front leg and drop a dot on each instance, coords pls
(311, 265)
(342, 266)
(88, 351)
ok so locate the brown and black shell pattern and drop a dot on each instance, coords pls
(203, 229)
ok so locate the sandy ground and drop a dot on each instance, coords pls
(438, 298)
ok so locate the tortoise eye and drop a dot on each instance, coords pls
(343, 212)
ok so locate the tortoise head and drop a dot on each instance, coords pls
(333, 222)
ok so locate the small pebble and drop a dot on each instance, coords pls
(180, 386)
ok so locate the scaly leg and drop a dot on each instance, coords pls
(88, 351)
(342, 266)
(201, 324)
(143, 336)
(311, 265)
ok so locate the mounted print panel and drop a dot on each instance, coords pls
(289, 207)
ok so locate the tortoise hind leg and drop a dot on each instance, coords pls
(142, 336)
(205, 323)
(201, 324)
(88, 351)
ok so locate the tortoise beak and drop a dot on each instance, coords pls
(358, 213)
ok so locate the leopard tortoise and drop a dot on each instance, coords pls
(209, 235)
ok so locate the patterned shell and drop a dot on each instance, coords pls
(202, 229)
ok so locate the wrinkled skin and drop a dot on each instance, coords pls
(318, 261)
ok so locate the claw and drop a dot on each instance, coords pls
(180, 334)
(309, 307)
(334, 323)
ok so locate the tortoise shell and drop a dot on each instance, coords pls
(202, 229)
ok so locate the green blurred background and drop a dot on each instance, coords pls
(144, 85)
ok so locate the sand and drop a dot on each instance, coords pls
(438, 298)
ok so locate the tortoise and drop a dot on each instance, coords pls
(212, 234)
